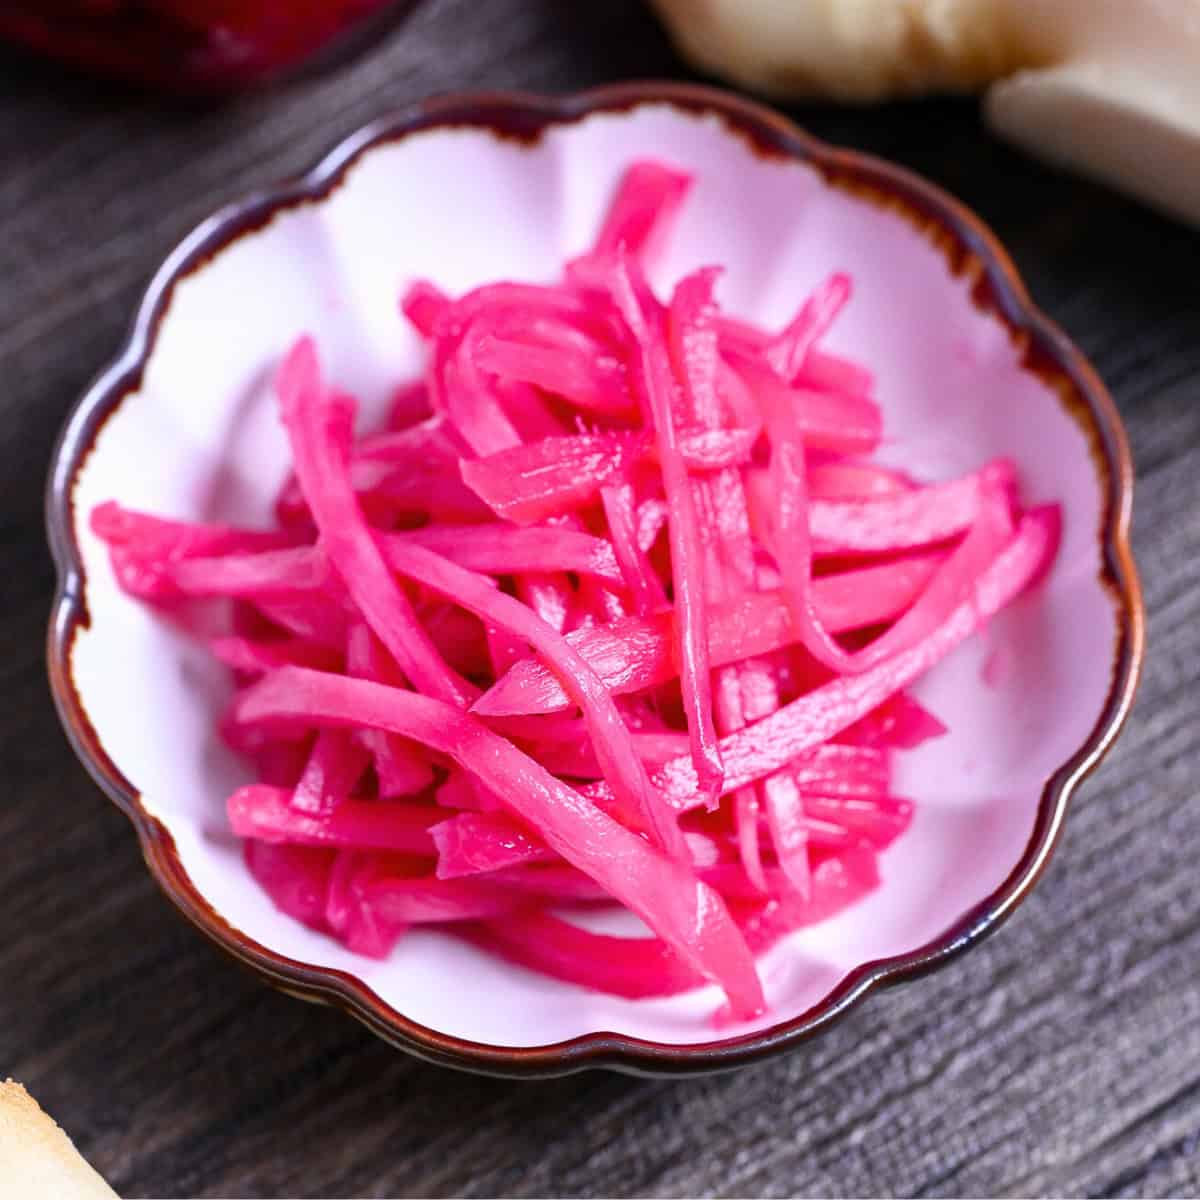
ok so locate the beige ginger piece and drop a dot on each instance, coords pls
(848, 49)
(1108, 87)
(36, 1158)
(1121, 100)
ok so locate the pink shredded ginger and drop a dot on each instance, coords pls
(617, 609)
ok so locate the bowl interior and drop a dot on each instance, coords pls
(462, 206)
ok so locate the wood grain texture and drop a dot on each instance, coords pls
(1062, 1057)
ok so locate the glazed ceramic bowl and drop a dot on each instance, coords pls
(476, 188)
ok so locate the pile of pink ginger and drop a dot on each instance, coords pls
(616, 609)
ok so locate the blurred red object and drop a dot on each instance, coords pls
(201, 46)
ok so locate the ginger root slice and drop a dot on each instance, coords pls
(37, 1159)
(1120, 101)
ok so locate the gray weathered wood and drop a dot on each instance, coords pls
(1062, 1057)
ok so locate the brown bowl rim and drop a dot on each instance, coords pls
(524, 116)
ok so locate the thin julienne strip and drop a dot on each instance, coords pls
(319, 431)
(692, 639)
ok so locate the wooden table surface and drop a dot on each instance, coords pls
(1061, 1057)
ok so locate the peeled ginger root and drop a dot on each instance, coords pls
(1108, 87)
(857, 50)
